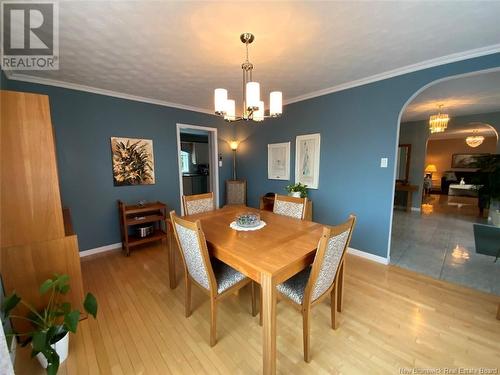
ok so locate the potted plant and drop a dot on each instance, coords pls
(490, 167)
(51, 325)
(297, 190)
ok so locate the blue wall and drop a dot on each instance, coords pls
(416, 133)
(83, 124)
(358, 126)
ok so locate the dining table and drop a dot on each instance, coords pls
(268, 256)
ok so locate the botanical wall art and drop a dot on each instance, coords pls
(307, 160)
(133, 161)
(278, 161)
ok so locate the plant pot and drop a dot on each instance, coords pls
(495, 217)
(12, 351)
(295, 194)
(61, 347)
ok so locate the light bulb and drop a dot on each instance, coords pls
(230, 110)
(275, 103)
(258, 115)
(220, 98)
(252, 95)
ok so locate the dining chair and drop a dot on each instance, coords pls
(325, 277)
(214, 277)
(198, 203)
(290, 206)
(236, 192)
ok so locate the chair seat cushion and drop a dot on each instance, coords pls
(295, 286)
(225, 275)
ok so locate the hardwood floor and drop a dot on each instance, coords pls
(392, 318)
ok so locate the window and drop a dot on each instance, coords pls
(185, 162)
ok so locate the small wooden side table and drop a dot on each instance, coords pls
(132, 215)
(409, 193)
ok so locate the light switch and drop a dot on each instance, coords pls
(383, 162)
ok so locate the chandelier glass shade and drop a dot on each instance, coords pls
(474, 140)
(253, 107)
(438, 123)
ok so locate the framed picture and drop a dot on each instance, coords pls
(466, 160)
(133, 161)
(307, 152)
(278, 161)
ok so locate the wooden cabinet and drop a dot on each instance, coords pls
(33, 242)
(134, 216)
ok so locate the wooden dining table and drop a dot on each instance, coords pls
(268, 256)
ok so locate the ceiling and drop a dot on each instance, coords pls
(478, 93)
(178, 52)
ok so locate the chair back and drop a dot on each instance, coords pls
(193, 248)
(331, 251)
(290, 206)
(236, 192)
(199, 203)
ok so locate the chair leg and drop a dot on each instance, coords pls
(340, 292)
(254, 302)
(305, 334)
(213, 321)
(334, 306)
(187, 302)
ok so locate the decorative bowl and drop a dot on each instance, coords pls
(248, 220)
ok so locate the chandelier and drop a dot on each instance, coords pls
(253, 107)
(438, 123)
(474, 140)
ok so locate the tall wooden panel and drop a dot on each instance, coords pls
(33, 244)
(30, 201)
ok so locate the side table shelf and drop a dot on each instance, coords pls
(132, 216)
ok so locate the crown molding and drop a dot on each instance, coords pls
(470, 54)
(460, 56)
(95, 90)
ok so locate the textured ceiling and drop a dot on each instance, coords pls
(478, 93)
(180, 51)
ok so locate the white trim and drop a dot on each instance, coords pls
(415, 209)
(214, 158)
(101, 249)
(364, 254)
(398, 129)
(95, 90)
(470, 54)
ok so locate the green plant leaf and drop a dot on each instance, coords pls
(39, 341)
(46, 285)
(71, 320)
(90, 304)
(53, 361)
(9, 303)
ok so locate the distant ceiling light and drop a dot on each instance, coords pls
(474, 140)
(438, 123)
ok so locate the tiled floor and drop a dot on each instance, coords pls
(439, 242)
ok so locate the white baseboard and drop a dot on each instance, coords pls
(350, 250)
(415, 209)
(364, 254)
(101, 249)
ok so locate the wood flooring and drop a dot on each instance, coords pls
(392, 319)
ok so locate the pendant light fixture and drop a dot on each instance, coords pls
(438, 123)
(253, 106)
(474, 140)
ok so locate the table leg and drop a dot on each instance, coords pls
(269, 323)
(409, 201)
(171, 257)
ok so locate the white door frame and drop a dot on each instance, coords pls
(214, 160)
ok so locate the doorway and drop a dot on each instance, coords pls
(197, 154)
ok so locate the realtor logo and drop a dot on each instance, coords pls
(30, 35)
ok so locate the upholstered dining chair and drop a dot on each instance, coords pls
(196, 204)
(214, 277)
(290, 206)
(325, 277)
(236, 192)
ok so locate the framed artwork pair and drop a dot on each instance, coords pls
(307, 158)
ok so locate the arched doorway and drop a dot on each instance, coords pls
(436, 235)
